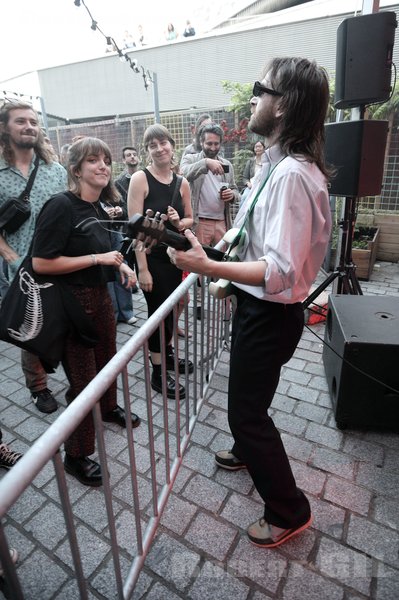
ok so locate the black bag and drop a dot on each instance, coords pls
(39, 311)
(15, 211)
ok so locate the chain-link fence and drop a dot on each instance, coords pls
(120, 132)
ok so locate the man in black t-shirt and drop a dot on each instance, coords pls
(131, 161)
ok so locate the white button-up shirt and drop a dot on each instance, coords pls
(289, 227)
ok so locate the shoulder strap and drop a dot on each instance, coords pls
(26, 193)
(251, 208)
(179, 179)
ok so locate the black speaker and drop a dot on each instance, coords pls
(363, 332)
(357, 150)
(364, 59)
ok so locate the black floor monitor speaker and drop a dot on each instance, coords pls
(364, 332)
(357, 150)
(364, 59)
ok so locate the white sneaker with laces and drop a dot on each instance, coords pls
(263, 534)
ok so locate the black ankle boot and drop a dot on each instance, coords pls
(156, 383)
(181, 363)
(85, 470)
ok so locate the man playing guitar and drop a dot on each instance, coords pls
(286, 237)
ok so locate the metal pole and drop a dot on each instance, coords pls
(155, 97)
(370, 6)
(44, 114)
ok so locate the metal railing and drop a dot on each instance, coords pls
(210, 337)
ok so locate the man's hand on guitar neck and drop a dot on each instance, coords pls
(194, 260)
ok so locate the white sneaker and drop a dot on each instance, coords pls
(14, 558)
(264, 535)
(132, 321)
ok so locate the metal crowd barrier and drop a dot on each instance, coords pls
(209, 337)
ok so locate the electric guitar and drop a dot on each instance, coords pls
(146, 231)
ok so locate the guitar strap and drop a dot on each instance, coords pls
(251, 208)
(179, 180)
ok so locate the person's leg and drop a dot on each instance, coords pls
(36, 382)
(122, 300)
(219, 231)
(4, 284)
(265, 337)
(166, 278)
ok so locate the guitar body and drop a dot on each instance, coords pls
(222, 288)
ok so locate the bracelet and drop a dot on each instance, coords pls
(93, 259)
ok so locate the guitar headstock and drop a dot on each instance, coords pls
(146, 231)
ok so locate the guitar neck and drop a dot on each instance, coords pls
(180, 242)
(147, 229)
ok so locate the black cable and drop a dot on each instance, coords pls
(388, 387)
(111, 41)
(392, 90)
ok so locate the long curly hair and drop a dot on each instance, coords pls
(41, 148)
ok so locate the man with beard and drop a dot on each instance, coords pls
(212, 185)
(130, 159)
(286, 219)
(21, 141)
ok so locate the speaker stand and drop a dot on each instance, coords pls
(344, 275)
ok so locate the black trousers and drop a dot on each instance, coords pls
(166, 278)
(265, 335)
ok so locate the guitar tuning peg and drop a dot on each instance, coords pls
(162, 221)
(149, 213)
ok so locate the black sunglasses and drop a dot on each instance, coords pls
(260, 89)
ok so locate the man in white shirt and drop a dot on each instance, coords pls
(287, 222)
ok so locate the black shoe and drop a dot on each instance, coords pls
(156, 384)
(44, 401)
(170, 364)
(85, 470)
(118, 416)
(227, 460)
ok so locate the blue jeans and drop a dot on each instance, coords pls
(122, 300)
(4, 285)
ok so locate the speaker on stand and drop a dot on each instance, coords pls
(364, 59)
(357, 148)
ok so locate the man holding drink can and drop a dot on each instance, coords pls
(213, 189)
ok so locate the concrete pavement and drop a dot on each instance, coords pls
(201, 550)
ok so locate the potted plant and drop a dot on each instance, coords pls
(364, 249)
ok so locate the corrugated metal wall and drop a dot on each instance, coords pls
(189, 72)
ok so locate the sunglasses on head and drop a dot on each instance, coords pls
(260, 89)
